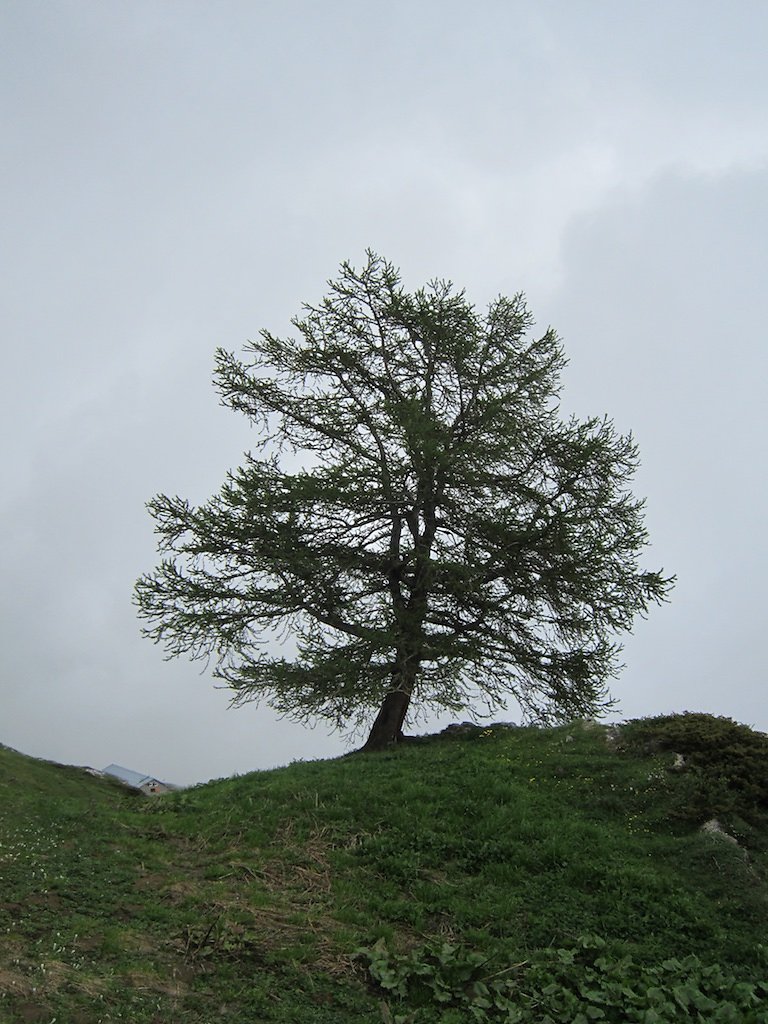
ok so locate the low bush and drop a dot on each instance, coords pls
(725, 765)
(448, 984)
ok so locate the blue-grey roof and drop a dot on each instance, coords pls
(131, 778)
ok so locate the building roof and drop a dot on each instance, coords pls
(128, 776)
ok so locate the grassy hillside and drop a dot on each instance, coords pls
(490, 875)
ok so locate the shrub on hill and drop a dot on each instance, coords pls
(725, 765)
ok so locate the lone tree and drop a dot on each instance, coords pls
(417, 524)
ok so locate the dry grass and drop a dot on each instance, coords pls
(13, 982)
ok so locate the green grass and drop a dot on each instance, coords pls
(248, 899)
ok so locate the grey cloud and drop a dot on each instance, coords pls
(663, 308)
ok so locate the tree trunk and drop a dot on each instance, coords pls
(387, 729)
(388, 726)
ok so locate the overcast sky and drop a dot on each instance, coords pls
(178, 175)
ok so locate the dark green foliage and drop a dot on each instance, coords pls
(725, 771)
(447, 984)
(447, 536)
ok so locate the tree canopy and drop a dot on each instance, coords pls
(416, 527)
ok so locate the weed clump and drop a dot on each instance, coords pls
(451, 984)
(725, 766)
